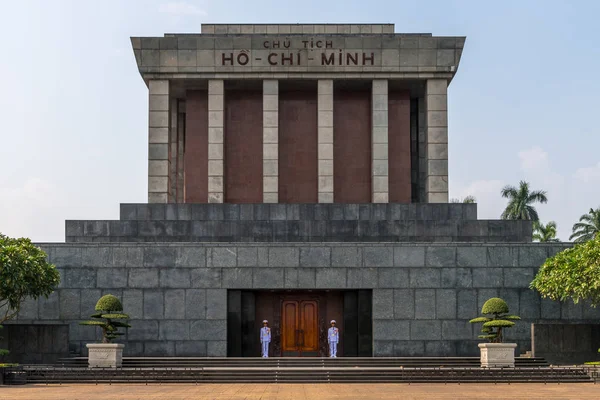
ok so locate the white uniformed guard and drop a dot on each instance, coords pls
(333, 337)
(265, 338)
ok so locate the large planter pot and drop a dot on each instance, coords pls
(105, 355)
(497, 354)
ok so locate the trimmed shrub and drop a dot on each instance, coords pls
(108, 308)
(496, 318)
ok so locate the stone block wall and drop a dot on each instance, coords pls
(423, 294)
(391, 222)
(561, 343)
(39, 343)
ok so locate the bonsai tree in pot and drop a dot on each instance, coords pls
(496, 317)
(109, 312)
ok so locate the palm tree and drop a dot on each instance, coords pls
(587, 227)
(469, 200)
(545, 233)
(520, 202)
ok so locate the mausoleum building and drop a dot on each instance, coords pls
(298, 174)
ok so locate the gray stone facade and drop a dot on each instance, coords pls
(423, 294)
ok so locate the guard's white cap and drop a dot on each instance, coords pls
(265, 321)
(332, 321)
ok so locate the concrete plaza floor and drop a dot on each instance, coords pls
(302, 391)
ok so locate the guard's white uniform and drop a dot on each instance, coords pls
(333, 337)
(265, 339)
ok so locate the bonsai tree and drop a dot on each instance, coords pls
(496, 318)
(109, 309)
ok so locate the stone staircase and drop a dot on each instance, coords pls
(303, 370)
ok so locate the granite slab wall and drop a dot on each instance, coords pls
(391, 222)
(423, 294)
(35, 343)
(561, 343)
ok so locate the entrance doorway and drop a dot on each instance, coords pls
(299, 330)
(299, 320)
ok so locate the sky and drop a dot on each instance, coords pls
(524, 104)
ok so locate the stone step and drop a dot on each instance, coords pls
(307, 362)
(313, 375)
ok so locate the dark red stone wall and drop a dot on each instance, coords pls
(195, 157)
(243, 146)
(298, 138)
(399, 146)
(352, 146)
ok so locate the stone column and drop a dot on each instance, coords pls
(216, 96)
(325, 134)
(379, 142)
(436, 145)
(158, 141)
(270, 141)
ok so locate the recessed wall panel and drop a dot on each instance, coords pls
(195, 156)
(243, 146)
(298, 165)
(352, 146)
(399, 147)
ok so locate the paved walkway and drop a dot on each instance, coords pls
(302, 391)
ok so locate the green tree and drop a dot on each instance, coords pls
(521, 200)
(109, 309)
(467, 200)
(572, 274)
(588, 226)
(545, 233)
(496, 318)
(24, 272)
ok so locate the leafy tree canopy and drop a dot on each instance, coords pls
(572, 274)
(467, 200)
(588, 226)
(24, 272)
(521, 200)
(545, 233)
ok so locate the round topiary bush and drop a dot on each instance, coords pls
(495, 305)
(109, 308)
(109, 303)
(496, 318)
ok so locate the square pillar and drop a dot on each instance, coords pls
(436, 141)
(325, 140)
(270, 141)
(379, 142)
(216, 115)
(158, 141)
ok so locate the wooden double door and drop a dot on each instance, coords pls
(300, 328)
